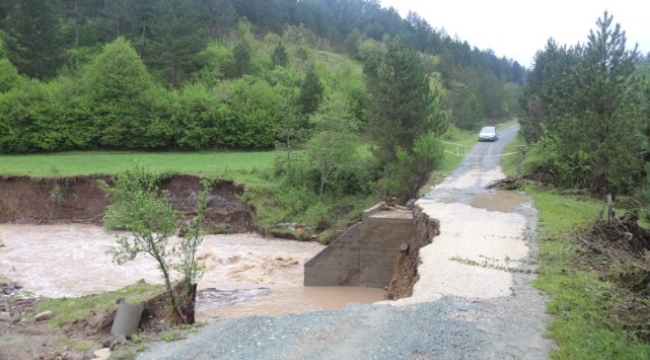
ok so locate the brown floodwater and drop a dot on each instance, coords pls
(257, 275)
(500, 200)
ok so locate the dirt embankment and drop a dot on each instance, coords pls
(27, 200)
(405, 274)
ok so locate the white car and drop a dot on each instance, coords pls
(488, 133)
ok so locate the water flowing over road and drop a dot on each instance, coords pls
(473, 300)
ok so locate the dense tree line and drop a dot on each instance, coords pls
(199, 74)
(585, 108)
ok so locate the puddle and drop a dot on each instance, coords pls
(501, 200)
(262, 276)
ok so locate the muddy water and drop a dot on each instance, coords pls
(503, 201)
(71, 260)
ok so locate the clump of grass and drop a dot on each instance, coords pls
(69, 309)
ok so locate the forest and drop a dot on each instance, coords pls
(218, 74)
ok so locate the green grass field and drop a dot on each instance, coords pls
(103, 162)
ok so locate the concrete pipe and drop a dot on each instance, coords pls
(127, 319)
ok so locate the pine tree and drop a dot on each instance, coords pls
(311, 92)
(176, 40)
(605, 114)
(403, 105)
(219, 17)
(279, 56)
(31, 38)
(241, 56)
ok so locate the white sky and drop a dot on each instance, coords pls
(518, 29)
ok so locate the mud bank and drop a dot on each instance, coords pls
(26, 200)
(405, 274)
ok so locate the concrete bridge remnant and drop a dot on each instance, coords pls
(367, 254)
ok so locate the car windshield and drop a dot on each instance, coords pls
(488, 129)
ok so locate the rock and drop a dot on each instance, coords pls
(5, 316)
(108, 341)
(16, 318)
(119, 339)
(161, 328)
(102, 354)
(45, 315)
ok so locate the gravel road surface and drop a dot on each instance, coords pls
(473, 300)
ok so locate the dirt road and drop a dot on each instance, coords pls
(473, 299)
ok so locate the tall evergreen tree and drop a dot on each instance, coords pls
(115, 20)
(579, 102)
(311, 92)
(176, 39)
(604, 110)
(280, 56)
(218, 17)
(241, 56)
(403, 105)
(31, 38)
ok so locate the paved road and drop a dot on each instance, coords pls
(458, 311)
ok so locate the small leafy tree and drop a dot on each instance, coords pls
(334, 145)
(141, 209)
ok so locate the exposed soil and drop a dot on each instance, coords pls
(24, 337)
(620, 251)
(405, 274)
(81, 200)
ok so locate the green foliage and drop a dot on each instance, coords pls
(27, 112)
(31, 38)
(175, 40)
(139, 208)
(280, 56)
(334, 144)
(215, 58)
(117, 75)
(311, 92)
(241, 60)
(8, 75)
(411, 170)
(583, 100)
(403, 105)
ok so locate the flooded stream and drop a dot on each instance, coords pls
(260, 276)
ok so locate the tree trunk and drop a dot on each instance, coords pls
(144, 38)
(76, 24)
(288, 152)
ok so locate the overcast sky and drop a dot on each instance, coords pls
(518, 29)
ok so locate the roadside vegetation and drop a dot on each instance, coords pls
(584, 135)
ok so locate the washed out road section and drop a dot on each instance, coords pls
(473, 299)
